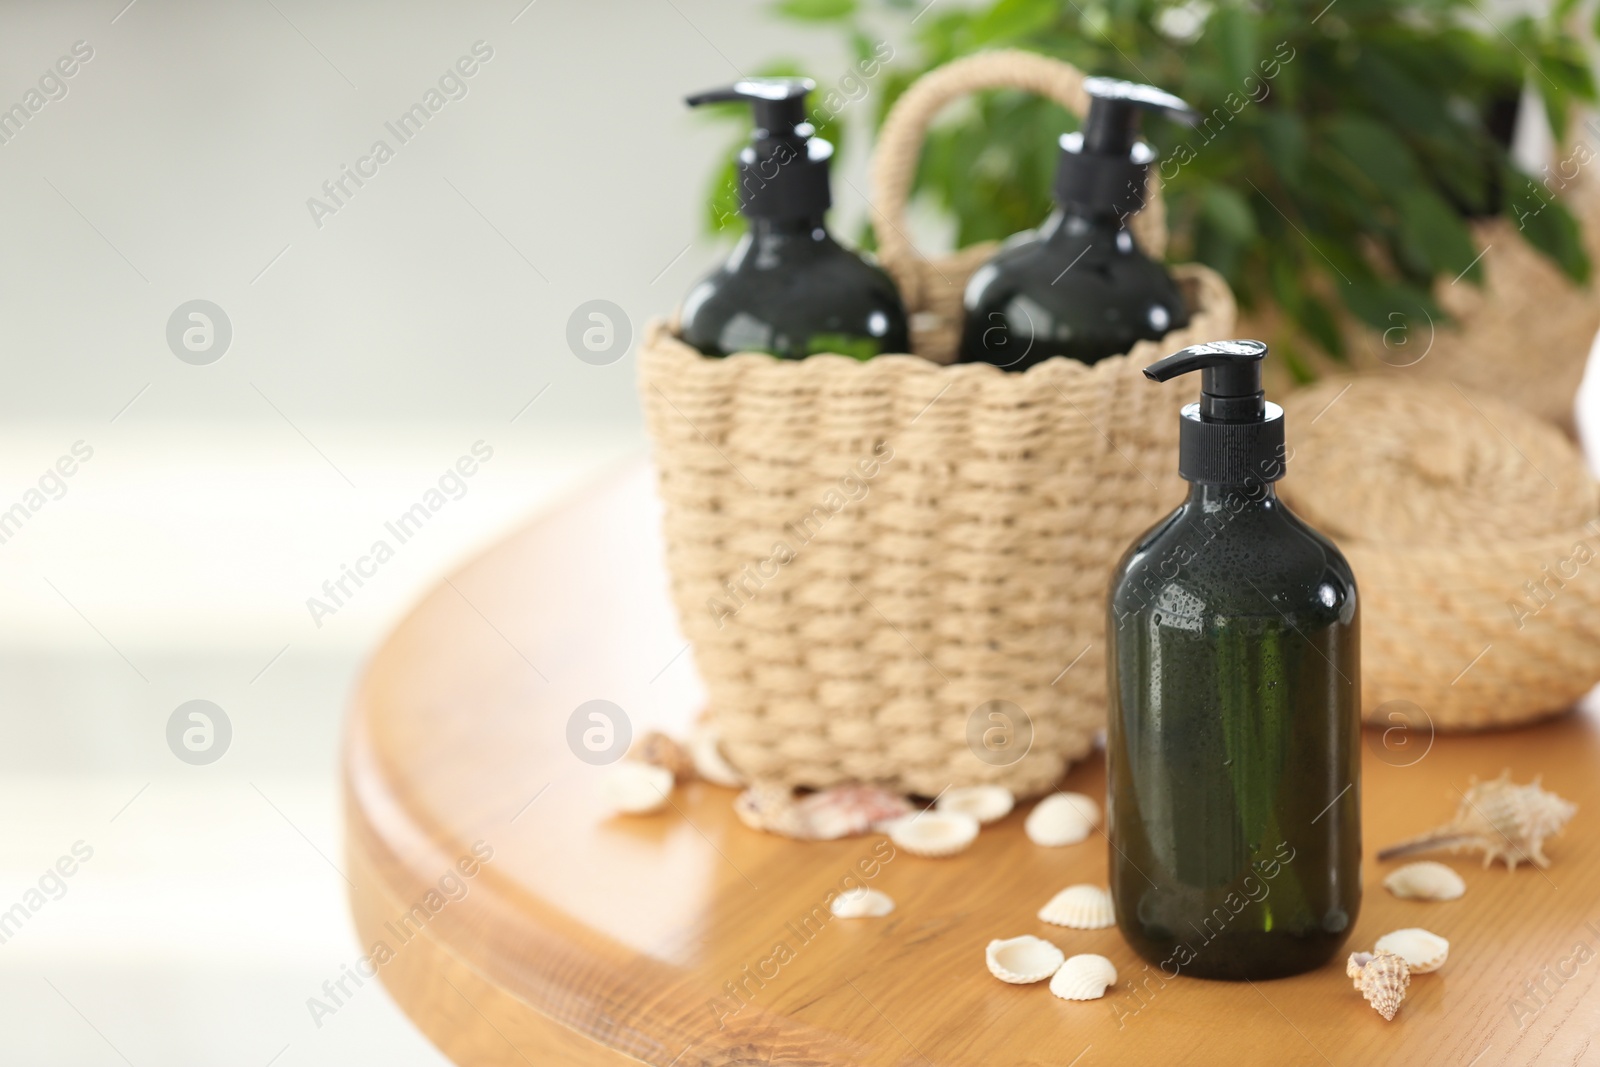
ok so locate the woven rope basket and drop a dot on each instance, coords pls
(864, 554)
(1473, 528)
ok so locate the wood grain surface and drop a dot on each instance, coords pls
(517, 922)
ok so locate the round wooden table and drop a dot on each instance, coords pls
(517, 922)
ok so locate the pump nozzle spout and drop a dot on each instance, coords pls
(1230, 378)
(779, 103)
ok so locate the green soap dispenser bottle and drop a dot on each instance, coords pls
(788, 288)
(1233, 736)
(1079, 286)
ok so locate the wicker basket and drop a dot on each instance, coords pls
(1473, 528)
(866, 555)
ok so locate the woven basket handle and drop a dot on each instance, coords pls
(894, 164)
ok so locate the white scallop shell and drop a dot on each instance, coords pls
(986, 803)
(705, 749)
(1062, 819)
(1082, 907)
(861, 903)
(1422, 950)
(933, 833)
(1085, 977)
(636, 788)
(1426, 880)
(1020, 960)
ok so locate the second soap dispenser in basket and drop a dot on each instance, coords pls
(1080, 286)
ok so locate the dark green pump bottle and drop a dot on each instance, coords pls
(789, 288)
(1079, 286)
(1234, 722)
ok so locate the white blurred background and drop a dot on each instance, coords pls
(367, 354)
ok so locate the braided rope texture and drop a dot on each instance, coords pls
(1473, 528)
(865, 553)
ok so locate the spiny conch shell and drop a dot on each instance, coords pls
(705, 749)
(1423, 950)
(861, 903)
(986, 803)
(1425, 880)
(1062, 819)
(659, 750)
(636, 788)
(1025, 959)
(1085, 977)
(933, 833)
(1381, 977)
(1082, 907)
(1503, 820)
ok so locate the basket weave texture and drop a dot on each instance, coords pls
(1473, 528)
(866, 554)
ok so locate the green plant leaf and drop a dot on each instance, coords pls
(815, 10)
(1437, 234)
(1548, 226)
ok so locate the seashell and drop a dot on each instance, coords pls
(986, 803)
(770, 807)
(636, 788)
(933, 833)
(1503, 820)
(1425, 880)
(1423, 951)
(705, 750)
(861, 903)
(1025, 959)
(1381, 977)
(847, 810)
(1085, 977)
(1062, 819)
(1082, 907)
(659, 750)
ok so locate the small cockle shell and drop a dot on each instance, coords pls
(1085, 977)
(636, 788)
(705, 750)
(933, 833)
(1381, 977)
(1423, 950)
(986, 803)
(1062, 819)
(861, 903)
(1082, 907)
(1425, 880)
(1025, 959)
(1501, 819)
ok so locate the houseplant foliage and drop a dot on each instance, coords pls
(1346, 147)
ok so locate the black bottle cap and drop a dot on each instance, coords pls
(1102, 168)
(1233, 436)
(783, 171)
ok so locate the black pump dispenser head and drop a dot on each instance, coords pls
(783, 171)
(1233, 436)
(1102, 169)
